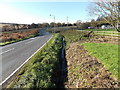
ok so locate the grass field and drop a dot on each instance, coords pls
(106, 53)
(100, 29)
(112, 33)
(109, 32)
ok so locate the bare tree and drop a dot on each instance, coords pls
(109, 10)
(78, 23)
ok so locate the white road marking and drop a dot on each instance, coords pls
(28, 42)
(7, 51)
(23, 63)
(32, 38)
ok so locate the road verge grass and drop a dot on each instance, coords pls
(43, 69)
(106, 53)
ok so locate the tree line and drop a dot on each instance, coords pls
(12, 26)
(93, 24)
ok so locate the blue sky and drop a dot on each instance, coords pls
(39, 12)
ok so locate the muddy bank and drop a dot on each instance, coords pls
(85, 71)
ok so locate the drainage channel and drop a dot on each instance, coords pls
(63, 77)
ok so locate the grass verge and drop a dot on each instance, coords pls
(43, 69)
(106, 53)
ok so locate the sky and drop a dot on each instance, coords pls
(27, 12)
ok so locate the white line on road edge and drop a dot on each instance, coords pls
(28, 42)
(32, 38)
(6, 51)
(23, 63)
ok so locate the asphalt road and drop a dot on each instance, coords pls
(15, 54)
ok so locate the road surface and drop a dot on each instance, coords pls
(15, 54)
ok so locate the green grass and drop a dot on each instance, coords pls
(73, 36)
(106, 53)
(43, 69)
(112, 32)
(107, 33)
(100, 29)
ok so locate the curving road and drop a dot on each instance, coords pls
(15, 54)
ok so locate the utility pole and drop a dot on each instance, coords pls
(54, 20)
(67, 21)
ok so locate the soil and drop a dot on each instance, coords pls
(85, 71)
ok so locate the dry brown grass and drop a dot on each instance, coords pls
(16, 35)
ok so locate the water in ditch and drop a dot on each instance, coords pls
(63, 77)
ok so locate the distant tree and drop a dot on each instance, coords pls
(69, 24)
(24, 26)
(109, 10)
(52, 24)
(39, 25)
(28, 26)
(85, 25)
(63, 24)
(45, 25)
(5, 28)
(100, 18)
(78, 23)
(33, 25)
(14, 26)
(94, 23)
(59, 24)
(11, 27)
(99, 22)
(74, 24)
(17, 26)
